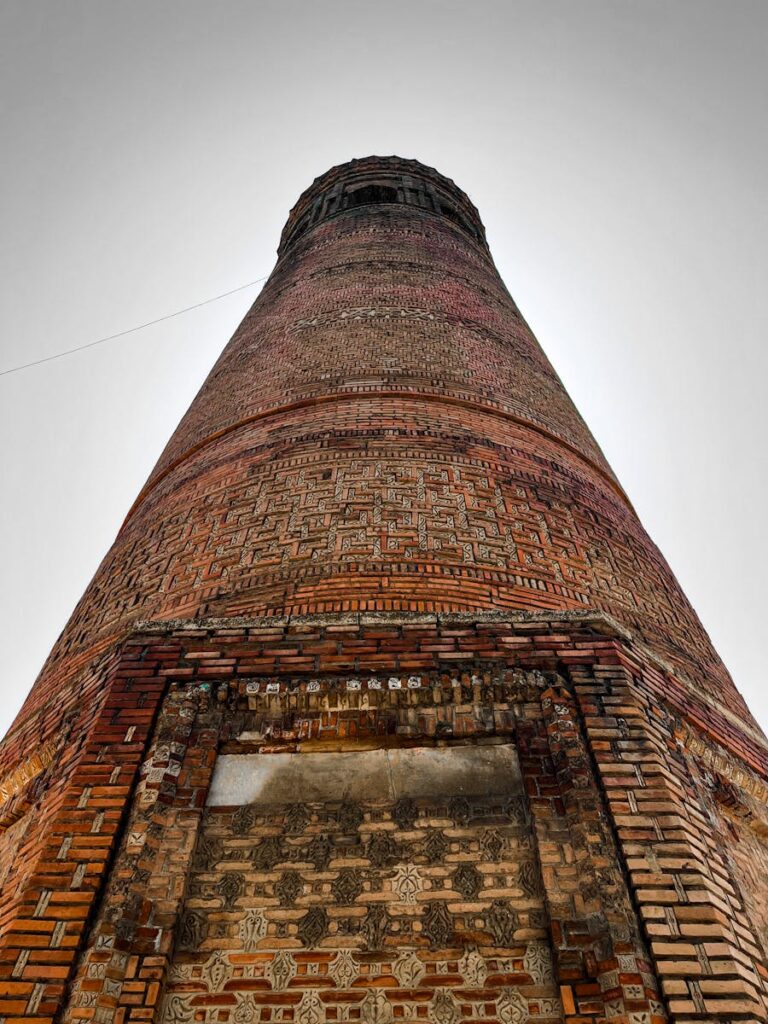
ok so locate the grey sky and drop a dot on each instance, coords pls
(617, 154)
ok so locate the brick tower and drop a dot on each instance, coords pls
(383, 708)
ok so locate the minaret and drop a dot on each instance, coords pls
(383, 706)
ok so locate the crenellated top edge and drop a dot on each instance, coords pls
(381, 181)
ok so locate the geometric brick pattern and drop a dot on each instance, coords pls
(383, 706)
(383, 432)
(597, 878)
(439, 911)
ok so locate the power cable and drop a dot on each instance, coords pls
(132, 330)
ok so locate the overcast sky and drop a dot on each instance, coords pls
(617, 154)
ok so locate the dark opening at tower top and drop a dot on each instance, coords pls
(382, 181)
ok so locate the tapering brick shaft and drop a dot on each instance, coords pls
(383, 537)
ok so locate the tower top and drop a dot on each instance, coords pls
(382, 181)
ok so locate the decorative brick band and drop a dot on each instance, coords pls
(346, 396)
(26, 771)
(727, 765)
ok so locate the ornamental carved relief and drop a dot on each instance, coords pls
(473, 967)
(245, 1011)
(319, 852)
(460, 810)
(467, 880)
(376, 1008)
(193, 930)
(296, 819)
(243, 820)
(251, 929)
(375, 926)
(216, 971)
(408, 968)
(267, 853)
(492, 844)
(208, 853)
(281, 969)
(230, 888)
(349, 817)
(311, 1009)
(177, 1009)
(313, 927)
(502, 923)
(407, 883)
(405, 813)
(529, 879)
(344, 968)
(443, 1008)
(382, 849)
(538, 963)
(436, 846)
(437, 924)
(354, 906)
(288, 887)
(512, 1007)
(347, 885)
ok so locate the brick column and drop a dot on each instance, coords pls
(121, 974)
(39, 946)
(701, 941)
(602, 965)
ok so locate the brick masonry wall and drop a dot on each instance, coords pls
(383, 528)
(383, 432)
(63, 839)
(602, 890)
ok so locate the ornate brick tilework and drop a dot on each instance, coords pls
(383, 433)
(383, 708)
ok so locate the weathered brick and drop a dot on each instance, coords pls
(383, 481)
